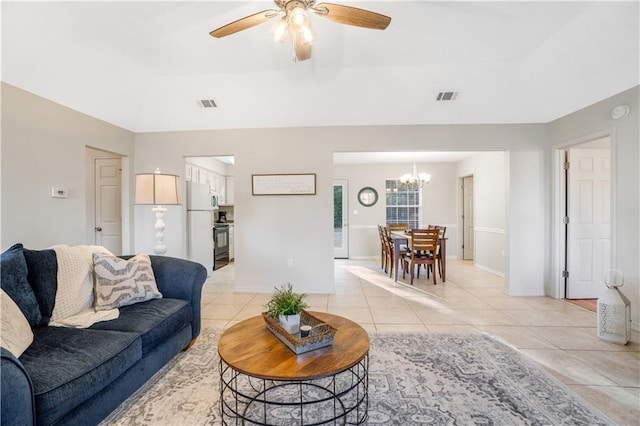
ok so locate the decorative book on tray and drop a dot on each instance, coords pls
(321, 333)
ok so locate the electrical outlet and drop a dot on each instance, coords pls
(290, 263)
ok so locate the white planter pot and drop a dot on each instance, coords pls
(291, 323)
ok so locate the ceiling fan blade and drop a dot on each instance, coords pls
(352, 16)
(244, 23)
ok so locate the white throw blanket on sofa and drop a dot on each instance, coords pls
(74, 298)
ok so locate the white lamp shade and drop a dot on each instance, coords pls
(157, 189)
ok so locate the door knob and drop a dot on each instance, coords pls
(98, 229)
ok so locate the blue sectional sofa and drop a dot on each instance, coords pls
(78, 376)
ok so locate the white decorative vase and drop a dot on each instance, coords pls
(291, 323)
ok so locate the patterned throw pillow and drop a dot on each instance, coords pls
(120, 282)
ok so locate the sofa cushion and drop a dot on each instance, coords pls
(15, 333)
(13, 272)
(120, 282)
(68, 366)
(155, 320)
(42, 273)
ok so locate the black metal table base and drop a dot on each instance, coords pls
(341, 399)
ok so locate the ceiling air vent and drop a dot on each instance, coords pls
(447, 96)
(208, 103)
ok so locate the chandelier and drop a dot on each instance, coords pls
(415, 178)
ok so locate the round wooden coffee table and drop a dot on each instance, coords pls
(263, 382)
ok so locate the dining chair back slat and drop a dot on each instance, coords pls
(392, 227)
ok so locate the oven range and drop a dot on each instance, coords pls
(220, 245)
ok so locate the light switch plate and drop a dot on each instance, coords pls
(59, 192)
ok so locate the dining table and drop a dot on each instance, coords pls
(403, 238)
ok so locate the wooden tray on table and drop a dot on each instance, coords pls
(321, 334)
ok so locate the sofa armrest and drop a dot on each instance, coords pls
(17, 405)
(181, 279)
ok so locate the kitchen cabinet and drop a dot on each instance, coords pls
(230, 193)
(221, 188)
(217, 183)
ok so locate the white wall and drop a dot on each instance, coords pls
(439, 202)
(490, 188)
(272, 229)
(269, 229)
(43, 145)
(527, 212)
(625, 137)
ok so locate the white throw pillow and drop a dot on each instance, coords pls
(16, 334)
(120, 282)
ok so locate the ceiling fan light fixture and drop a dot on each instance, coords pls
(307, 34)
(296, 22)
(298, 17)
(280, 30)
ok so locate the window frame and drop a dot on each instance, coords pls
(397, 192)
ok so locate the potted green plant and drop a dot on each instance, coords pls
(285, 306)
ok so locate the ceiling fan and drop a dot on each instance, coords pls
(295, 22)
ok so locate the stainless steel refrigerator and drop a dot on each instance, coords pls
(201, 205)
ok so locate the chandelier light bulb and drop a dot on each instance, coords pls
(405, 178)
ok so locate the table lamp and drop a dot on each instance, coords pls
(158, 189)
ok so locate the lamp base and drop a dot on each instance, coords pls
(159, 247)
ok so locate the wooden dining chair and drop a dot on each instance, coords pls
(383, 251)
(398, 227)
(443, 231)
(423, 248)
(389, 253)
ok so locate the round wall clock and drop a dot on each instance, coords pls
(368, 196)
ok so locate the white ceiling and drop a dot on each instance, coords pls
(144, 65)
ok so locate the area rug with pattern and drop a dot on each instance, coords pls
(414, 379)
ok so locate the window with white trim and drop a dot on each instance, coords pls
(404, 203)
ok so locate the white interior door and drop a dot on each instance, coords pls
(108, 211)
(468, 219)
(340, 219)
(589, 243)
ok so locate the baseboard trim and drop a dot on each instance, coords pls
(485, 268)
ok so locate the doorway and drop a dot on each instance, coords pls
(340, 223)
(587, 213)
(210, 209)
(104, 206)
(468, 219)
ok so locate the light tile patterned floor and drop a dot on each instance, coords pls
(556, 334)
